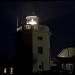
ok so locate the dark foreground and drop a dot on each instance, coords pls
(7, 64)
(55, 73)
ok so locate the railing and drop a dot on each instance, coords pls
(36, 27)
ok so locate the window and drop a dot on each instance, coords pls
(5, 70)
(40, 50)
(11, 70)
(40, 38)
(41, 65)
(28, 27)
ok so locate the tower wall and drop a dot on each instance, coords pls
(44, 42)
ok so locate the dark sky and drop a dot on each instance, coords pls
(58, 15)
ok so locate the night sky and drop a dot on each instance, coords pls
(58, 15)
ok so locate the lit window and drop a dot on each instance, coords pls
(5, 70)
(40, 50)
(28, 27)
(32, 22)
(11, 70)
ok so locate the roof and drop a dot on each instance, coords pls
(67, 52)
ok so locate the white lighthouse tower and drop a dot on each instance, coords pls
(39, 36)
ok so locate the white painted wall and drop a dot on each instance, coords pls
(45, 43)
(67, 52)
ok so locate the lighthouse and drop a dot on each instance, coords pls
(34, 44)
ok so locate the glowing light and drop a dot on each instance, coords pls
(62, 56)
(32, 22)
(11, 70)
(19, 28)
(5, 70)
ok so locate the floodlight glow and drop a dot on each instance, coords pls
(32, 20)
(11, 71)
(5, 70)
(63, 56)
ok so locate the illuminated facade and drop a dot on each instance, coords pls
(35, 40)
(67, 52)
(67, 56)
